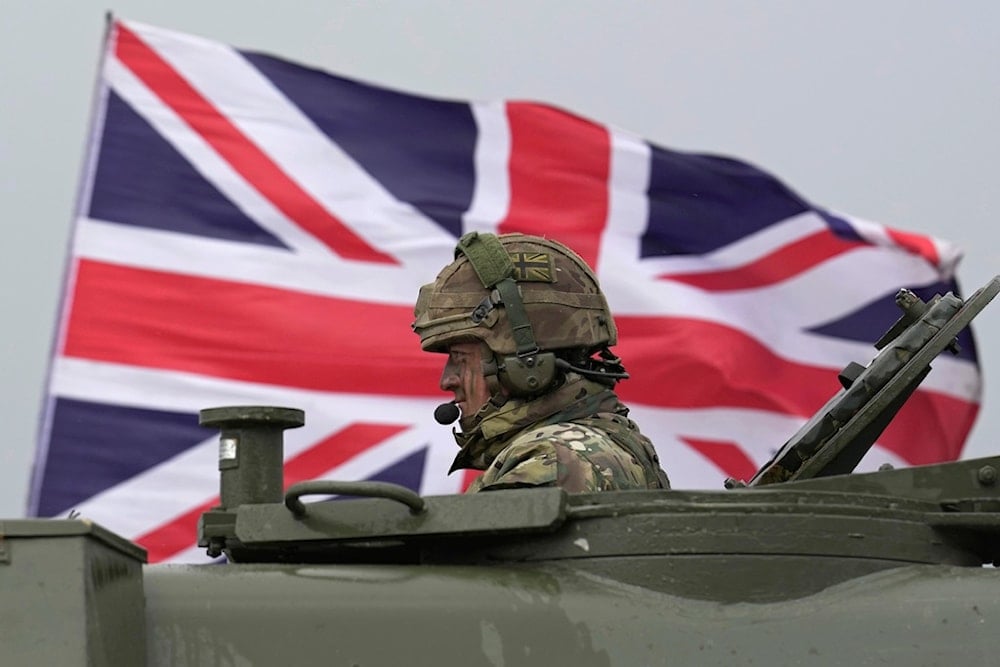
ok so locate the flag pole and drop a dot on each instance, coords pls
(96, 116)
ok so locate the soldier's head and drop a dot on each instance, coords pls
(525, 309)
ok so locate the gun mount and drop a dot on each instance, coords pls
(835, 439)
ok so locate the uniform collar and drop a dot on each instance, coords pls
(497, 425)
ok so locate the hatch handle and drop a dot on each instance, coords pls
(385, 490)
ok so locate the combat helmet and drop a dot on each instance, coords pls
(533, 301)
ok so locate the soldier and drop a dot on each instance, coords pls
(527, 331)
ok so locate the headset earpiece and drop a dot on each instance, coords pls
(528, 374)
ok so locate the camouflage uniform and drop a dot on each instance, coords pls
(545, 326)
(588, 444)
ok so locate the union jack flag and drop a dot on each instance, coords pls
(253, 232)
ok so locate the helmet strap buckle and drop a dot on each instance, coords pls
(485, 307)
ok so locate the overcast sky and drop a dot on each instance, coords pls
(883, 109)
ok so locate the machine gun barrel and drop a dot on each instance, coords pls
(835, 439)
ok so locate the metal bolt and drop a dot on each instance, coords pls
(987, 475)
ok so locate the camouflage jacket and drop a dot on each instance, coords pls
(577, 437)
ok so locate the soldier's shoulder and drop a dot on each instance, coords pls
(574, 436)
(544, 455)
(525, 461)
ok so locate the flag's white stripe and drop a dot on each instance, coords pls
(105, 382)
(762, 243)
(156, 249)
(491, 196)
(948, 253)
(628, 207)
(176, 391)
(317, 164)
(812, 298)
(207, 162)
(742, 252)
(821, 290)
(808, 299)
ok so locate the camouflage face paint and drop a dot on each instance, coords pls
(463, 376)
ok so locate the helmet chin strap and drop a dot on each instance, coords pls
(498, 393)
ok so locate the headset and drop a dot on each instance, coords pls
(529, 371)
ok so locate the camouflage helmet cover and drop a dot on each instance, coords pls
(561, 297)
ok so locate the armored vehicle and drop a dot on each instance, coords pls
(804, 564)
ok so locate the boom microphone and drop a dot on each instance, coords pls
(446, 413)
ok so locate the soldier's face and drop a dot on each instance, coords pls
(463, 376)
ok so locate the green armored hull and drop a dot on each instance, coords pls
(802, 574)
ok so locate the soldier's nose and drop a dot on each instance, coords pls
(449, 378)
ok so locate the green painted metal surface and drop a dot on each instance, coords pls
(556, 614)
(70, 594)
